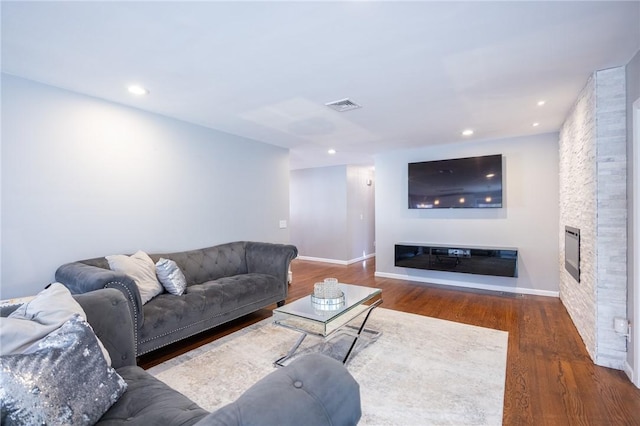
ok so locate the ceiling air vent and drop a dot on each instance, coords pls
(343, 105)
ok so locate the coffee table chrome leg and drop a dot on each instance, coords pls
(280, 361)
(355, 339)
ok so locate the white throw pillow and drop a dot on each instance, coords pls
(141, 268)
(33, 321)
(171, 276)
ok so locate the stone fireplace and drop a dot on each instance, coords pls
(572, 251)
(593, 199)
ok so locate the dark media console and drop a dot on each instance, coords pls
(502, 262)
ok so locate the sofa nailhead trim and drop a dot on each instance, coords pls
(135, 315)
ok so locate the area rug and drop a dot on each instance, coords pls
(419, 371)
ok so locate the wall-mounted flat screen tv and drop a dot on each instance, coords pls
(474, 182)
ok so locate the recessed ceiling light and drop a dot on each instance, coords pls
(467, 132)
(332, 151)
(535, 124)
(540, 103)
(137, 90)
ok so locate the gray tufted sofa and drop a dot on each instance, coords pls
(313, 390)
(224, 282)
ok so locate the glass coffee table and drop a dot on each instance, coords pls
(326, 320)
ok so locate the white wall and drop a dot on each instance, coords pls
(528, 220)
(318, 205)
(84, 178)
(332, 213)
(360, 212)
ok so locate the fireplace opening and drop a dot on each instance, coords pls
(572, 251)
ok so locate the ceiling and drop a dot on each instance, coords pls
(422, 71)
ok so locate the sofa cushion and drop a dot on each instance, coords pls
(167, 313)
(148, 401)
(202, 302)
(314, 390)
(65, 380)
(170, 276)
(141, 268)
(245, 289)
(34, 320)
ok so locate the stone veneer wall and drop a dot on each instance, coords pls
(593, 198)
(577, 185)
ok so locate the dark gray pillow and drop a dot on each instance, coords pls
(65, 380)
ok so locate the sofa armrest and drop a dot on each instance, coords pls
(269, 258)
(109, 314)
(314, 390)
(81, 278)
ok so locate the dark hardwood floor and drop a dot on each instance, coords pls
(550, 378)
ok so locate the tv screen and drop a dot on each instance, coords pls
(474, 182)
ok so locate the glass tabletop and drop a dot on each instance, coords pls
(305, 316)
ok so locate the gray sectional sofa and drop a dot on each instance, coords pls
(224, 282)
(313, 390)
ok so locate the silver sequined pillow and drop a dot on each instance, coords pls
(171, 277)
(65, 380)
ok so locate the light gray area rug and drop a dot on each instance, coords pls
(420, 371)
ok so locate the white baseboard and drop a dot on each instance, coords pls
(518, 290)
(336, 261)
(630, 374)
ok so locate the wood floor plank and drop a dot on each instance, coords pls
(550, 378)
